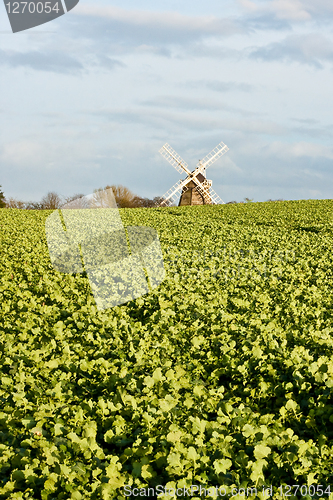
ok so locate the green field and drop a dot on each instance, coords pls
(222, 376)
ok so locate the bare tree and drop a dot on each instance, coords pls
(139, 202)
(13, 203)
(122, 194)
(159, 199)
(51, 201)
(33, 205)
(69, 199)
(103, 199)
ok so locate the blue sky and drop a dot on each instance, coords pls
(89, 99)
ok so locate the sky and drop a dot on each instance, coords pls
(89, 99)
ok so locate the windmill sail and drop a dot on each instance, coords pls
(195, 189)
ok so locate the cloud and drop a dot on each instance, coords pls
(191, 104)
(300, 149)
(204, 50)
(41, 155)
(21, 153)
(97, 37)
(146, 26)
(281, 150)
(103, 61)
(284, 13)
(228, 86)
(294, 10)
(56, 62)
(314, 131)
(290, 9)
(266, 22)
(312, 49)
(229, 167)
(116, 31)
(276, 169)
(181, 122)
(307, 121)
(108, 32)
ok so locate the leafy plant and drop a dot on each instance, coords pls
(212, 379)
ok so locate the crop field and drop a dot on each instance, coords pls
(222, 377)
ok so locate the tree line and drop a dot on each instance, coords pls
(124, 199)
(52, 200)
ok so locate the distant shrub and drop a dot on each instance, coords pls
(2, 199)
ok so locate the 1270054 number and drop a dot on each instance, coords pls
(32, 7)
(288, 490)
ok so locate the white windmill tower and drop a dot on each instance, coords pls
(195, 189)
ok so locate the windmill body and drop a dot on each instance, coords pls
(192, 196)
(195, 189)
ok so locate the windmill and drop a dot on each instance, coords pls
(195, 189)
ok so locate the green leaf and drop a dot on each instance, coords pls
(174, 459)
(192, 454)
(222, 466)
(261, 451)
(248, 430)
(257, 470)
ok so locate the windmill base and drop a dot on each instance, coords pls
(191, 196)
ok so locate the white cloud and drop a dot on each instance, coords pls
(313, 49)
(219, 86)
(197, 103)
(229, 166)
(22, 153)
(290, 10)
(249, 5)
(300, 149)
(162, 22)
(51, 61)
(44, 155)
(166, 120)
